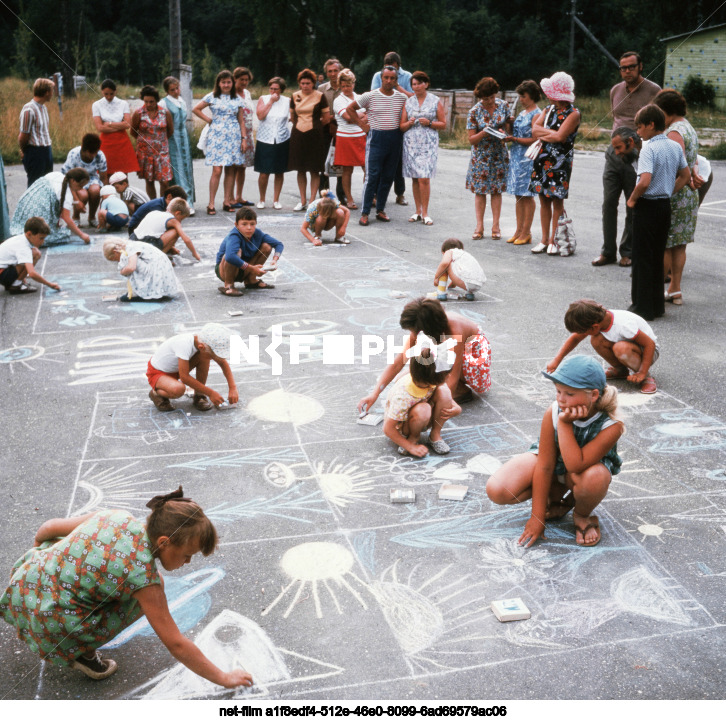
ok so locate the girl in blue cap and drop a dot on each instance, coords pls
(571, 465)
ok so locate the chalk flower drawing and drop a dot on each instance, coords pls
(325, 568)
(343, 484)
(505, 561)
(647, 529)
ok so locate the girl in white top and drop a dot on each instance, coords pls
(273, 140)
(459, 268)
(111, 117)
(350, 138)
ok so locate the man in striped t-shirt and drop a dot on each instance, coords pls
(34, 138)
(384, 107)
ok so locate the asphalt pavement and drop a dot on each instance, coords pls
(322, 588)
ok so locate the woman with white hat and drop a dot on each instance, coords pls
(556, 127)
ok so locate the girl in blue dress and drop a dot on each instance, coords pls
(520, 167)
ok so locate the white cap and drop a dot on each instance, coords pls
(117, 177)
(108, 190)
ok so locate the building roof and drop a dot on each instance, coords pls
(693, 32)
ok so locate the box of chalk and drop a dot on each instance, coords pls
(371, 419)
(510, 609)
(403, 495)
(452, 492)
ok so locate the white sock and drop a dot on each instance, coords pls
(17, 283)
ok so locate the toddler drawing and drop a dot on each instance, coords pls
(458, 269)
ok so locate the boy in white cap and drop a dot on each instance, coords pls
(113, 214)
(133, 197)
(169, 369)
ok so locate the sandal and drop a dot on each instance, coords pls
(364, 220)
(675, 298)
(231, 292)
(260, 285)
(428, 221)
(648, 386)
(496, 235)
(614, 374)
(415, 217)
(441, 446)
(352, 206)
(477, 235)
(382, 217)
(211, 210)
(593, 522)
(228, 208)
(343, 239)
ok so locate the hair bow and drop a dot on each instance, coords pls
(442, 354)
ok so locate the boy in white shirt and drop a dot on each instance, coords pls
(113, 214)
(457, 269)
(163, 228)
(169, 369)
(18, 256)
(133, 197)
(622, 338)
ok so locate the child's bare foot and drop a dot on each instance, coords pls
(587, 531)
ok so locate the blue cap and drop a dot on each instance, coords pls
(579, 371)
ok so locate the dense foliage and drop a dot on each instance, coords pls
(455, 41)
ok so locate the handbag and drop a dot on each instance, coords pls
(534, 150)
(565, 235)
(331, 169)
(202, 144)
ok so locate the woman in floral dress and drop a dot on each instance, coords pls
(90, 577)
(153, 126)
(556, 126)
(421, 120)
(520, 166)
(242, 78)
(180, 151)
(227, 138)
(489, 160)
(684, 204)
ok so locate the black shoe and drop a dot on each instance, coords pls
(18, 289)
(95, 667)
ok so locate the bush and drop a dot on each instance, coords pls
(698, 92)
(715, 152)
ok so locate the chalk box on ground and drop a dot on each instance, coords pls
(403, 495)
(452, 492)
(372, 419)
(511, 609)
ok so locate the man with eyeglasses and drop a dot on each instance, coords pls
(619, 176)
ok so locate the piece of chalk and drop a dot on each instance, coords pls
(403, 495)
(452, 492)
(234, 313)
(510, 609)
(364, 411)
(109, 298)
(225, 405)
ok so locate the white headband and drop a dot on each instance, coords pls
(442, 354)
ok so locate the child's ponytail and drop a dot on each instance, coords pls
(608, 403)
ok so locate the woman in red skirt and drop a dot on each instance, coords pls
(111, 117)
(350, 139)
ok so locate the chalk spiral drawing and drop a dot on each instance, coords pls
(324, 566)
(188, 602)
(232, 641)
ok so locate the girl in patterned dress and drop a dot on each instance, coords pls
(90, 577)
(148, 270)
(416, 396)
(421, 120)
(572, 464)
(684, 203)
(242, 78)
(227, 139)
(556, 126)
(153, 126)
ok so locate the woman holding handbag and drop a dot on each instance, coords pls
(520, 161)
(556, 127)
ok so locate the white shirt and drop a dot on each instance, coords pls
(275, 127)
(15, 251)
(167, 355)
(467, 267)
(113, 204)
(350, 130)
(626, 326)
(112, 112)
(153, 224)
(56, 181)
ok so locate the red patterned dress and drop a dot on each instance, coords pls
(69, 597)
(152, 147)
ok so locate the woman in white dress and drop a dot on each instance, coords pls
(148, 270)
(421, 120)
(227, 138)
(273, 140)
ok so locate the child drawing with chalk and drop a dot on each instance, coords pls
(623, 339)
(572, 464)
(170, 368)
(417, 397)
(88, 578)
(457, 269)
(326, 213)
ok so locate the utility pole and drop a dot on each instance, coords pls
(178, 69)
(573, 12)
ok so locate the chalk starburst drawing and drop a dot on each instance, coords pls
(24, 354)
(649, 530)
(505, 561)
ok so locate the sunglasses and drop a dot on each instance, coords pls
(623, 68)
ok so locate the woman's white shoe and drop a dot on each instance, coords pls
(553, 249)
(539, 248)
(260, 205)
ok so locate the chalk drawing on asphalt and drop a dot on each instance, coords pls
(648, 529)
(24, 354)
(685, 431)
(232, 641)
(325, 569)
(286, 458)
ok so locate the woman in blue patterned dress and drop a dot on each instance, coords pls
(684, 204)
(90, 577)
(242, 78)
(179, 147)
(227, 138)
(556, 126)
(520, 167)
(421, 120)
(489, 160)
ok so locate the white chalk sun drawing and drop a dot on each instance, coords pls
(437, 620)
(321, 567)
(506, 561)
(23, 354)
(342, 484)
(649, 530)
(281, 406)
